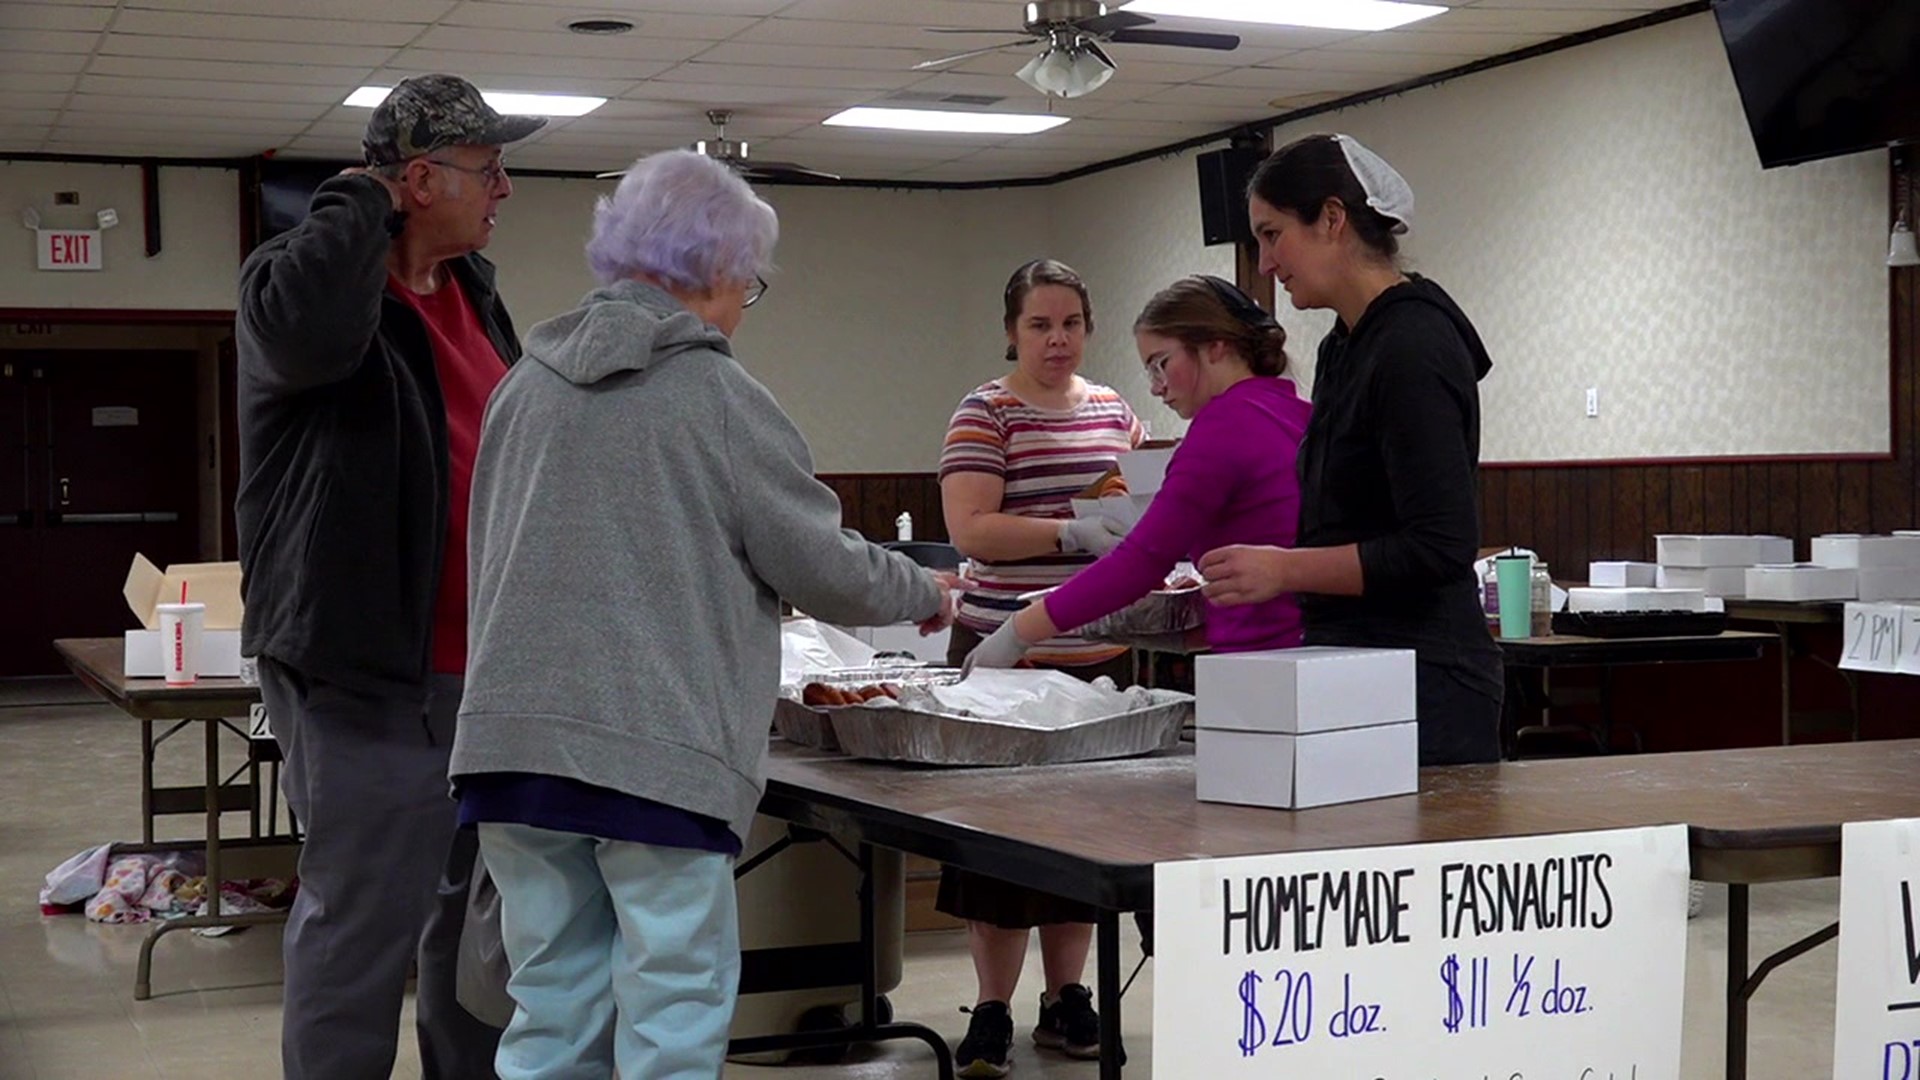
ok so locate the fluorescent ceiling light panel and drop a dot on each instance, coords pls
(1320, 14)
(506, 102)
(980, 123)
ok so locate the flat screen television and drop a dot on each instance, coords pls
(1820, 78)
(286, 188)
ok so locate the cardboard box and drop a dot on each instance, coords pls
(216, 585)
(1722, 581)
(1854, 551)
(1145, 470)
(1592, 599)
(1298, 691)
(1294, 772)
(1801, 581)
(1687, 549)
(1888, 583)
(1621, 575)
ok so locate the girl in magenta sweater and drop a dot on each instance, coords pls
(1213, 356)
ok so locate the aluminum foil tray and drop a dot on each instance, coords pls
(1165, 612)
(897, 734)
(811, 725)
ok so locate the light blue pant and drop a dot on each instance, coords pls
(626, 957)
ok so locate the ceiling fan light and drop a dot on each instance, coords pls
(1065, 73)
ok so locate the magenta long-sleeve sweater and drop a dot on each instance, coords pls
(1231, 481)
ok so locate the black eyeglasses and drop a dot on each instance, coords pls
(755, 291)
(490, 174)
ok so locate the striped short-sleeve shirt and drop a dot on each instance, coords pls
(1045, 457)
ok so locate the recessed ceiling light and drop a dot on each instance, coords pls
(607, 25)
(980, 123)
(507, 102)
(1320, 14)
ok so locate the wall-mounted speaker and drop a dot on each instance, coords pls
(1223, 193)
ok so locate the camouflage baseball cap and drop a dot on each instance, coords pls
(427, 112)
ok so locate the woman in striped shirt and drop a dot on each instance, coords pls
(1017, 450)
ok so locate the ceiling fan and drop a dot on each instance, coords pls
(1071, 61)
(733, 154)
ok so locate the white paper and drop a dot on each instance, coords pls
(1876, 1021)
(1872, 637)
(1038, 699)
(1909, 640)
(808, 646)
(1379, 968)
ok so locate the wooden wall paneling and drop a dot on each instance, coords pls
(1519, 507)
(1853, 497)
(1578, 542)
(1819, 497)
(1630, 535)
(1759, 497)
(1739, 514)
(1543, 523)
(1600, 516)
(1783, 501)
(1493, 506)
(1687, 498)
(1659, 504)
(1716, 499)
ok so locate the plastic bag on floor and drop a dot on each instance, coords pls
(76, 879)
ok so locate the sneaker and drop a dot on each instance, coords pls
(983, 1054)
(1069, 1024)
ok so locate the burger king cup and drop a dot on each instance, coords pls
(180, 626)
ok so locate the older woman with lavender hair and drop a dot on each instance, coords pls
(641, 506)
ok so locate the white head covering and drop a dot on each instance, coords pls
(1387, 191)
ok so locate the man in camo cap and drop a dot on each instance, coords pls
(369, 338)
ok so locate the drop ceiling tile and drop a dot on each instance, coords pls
(848, 57)
(62, 16)
(547, 18)
(559, 43)
(260, 28)
(317, 53)
(833, 33)
(43, 63)
(199, 89)
(556, 69)
(1393, 65)
(49, 41)
(176, 124)
(207, 111)
(417, 12)
(745, 75)
(34, 82)
(1281, 80)
(988, 14)
(229, 71)
(536, 84)
(1435, 41)
(734, 95)
(32, 99)
(1558, 22)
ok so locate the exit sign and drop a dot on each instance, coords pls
(69, 249)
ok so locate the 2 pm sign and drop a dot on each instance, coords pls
(1541, 958)
(68, 249)
(1876, 1023)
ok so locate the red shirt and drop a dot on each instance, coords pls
(469, 368)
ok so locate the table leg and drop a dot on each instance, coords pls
(146, 781)
(1737, 982)
(1107, 946)
(1786, 683)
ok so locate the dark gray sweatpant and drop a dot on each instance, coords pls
(383, 879)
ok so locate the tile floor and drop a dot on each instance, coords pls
(68, 779)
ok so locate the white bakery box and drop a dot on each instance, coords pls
(1697, 550)
(1306, 727)
(1802, 581)
(217, 585)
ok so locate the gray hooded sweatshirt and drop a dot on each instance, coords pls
(641, 505)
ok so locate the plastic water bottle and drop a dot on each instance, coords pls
(903, 527)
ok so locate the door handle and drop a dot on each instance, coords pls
(65, 492)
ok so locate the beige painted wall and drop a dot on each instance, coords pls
(198, 263)
(1602, 216)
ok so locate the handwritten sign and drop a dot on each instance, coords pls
(258, 724)
(1559, 956)
(1909, 640)
(1876, 1031)
(1871, 639)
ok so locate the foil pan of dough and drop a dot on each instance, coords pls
(893, 733)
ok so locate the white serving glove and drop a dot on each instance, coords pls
(1096, 534)
(1000, 649)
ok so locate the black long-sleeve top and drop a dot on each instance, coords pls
(1390, 463)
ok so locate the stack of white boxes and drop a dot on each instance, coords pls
(1884, 567)
(1716, 565)
(1296, 728)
